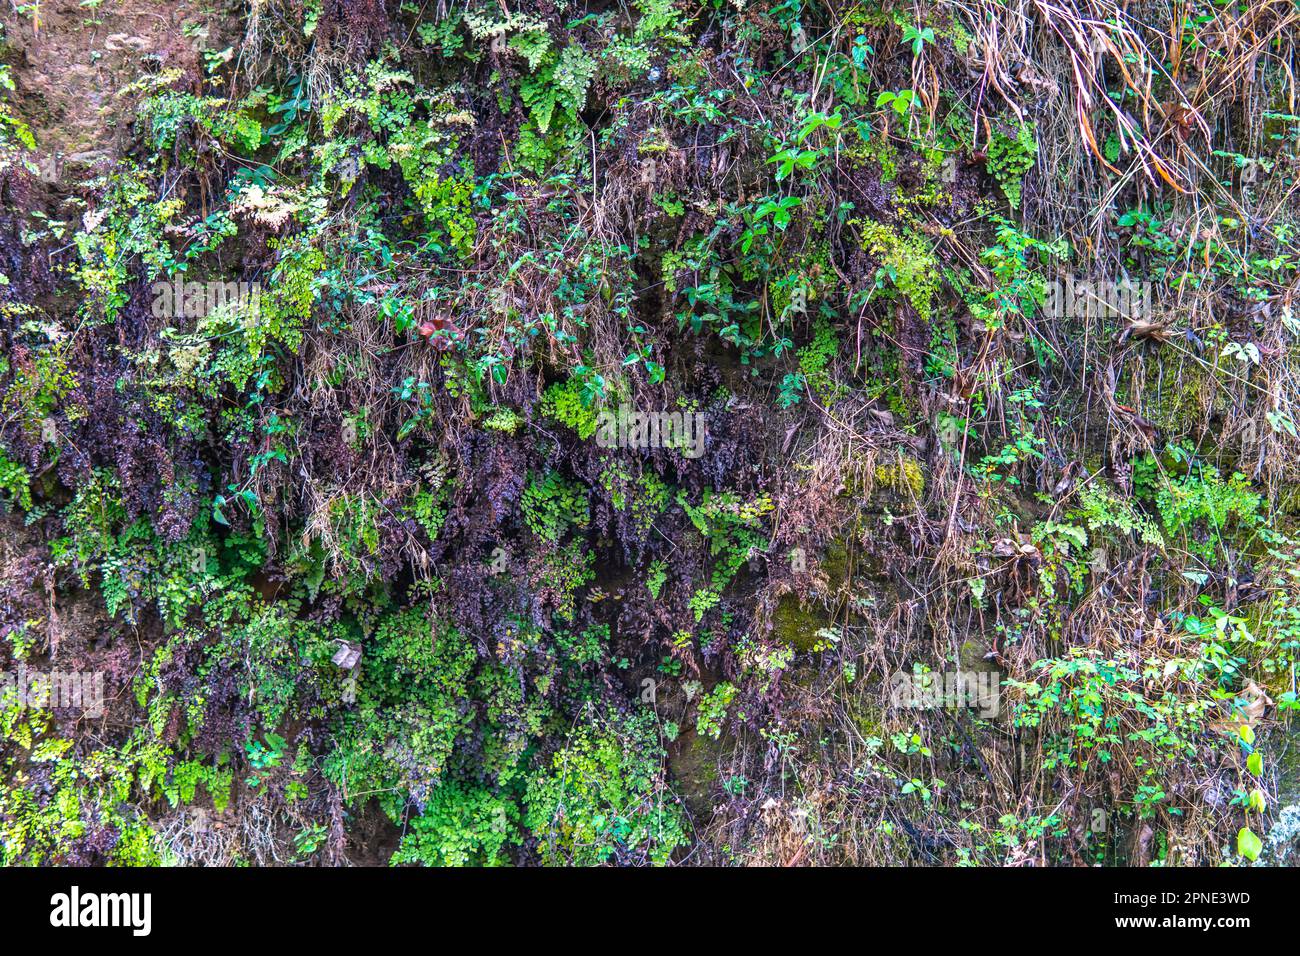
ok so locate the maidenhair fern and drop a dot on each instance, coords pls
(1010, 158)
(560, 84)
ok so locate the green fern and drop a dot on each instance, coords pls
(559, 85)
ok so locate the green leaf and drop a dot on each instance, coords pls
(1249, 845)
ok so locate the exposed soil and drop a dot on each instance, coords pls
(71, 63)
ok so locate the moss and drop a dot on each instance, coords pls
(655, 142)
(1288, 500)
(870, 721)
(693, 762)
(836, 566)
(971, 655)
(795, 625)
(1288, 769)
(957, 33)
(905, 476)
(1177, 397)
